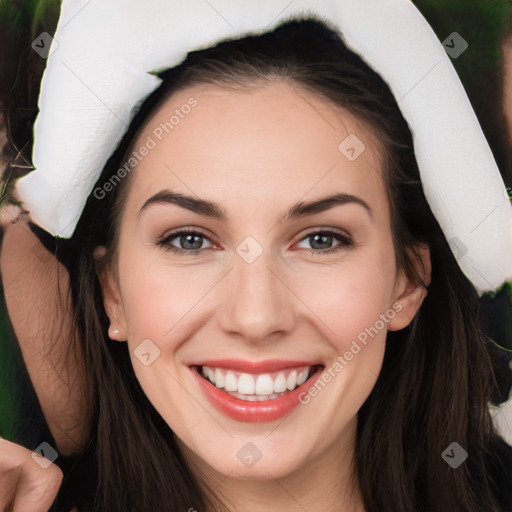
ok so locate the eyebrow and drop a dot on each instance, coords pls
(214, 210)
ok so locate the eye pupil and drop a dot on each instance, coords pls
(185, 239)
(324, 239)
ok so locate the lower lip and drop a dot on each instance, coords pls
(255, 412)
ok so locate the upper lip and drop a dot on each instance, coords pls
(246, 366)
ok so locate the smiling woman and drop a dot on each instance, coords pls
(270, 316)
(297, 138)
(211, 316)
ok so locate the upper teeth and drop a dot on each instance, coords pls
(261, 384)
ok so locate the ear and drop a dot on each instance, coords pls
(410, 295)
(111, 299)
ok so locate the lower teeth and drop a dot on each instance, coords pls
(254, 398)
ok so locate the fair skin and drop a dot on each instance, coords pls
(273, 146)
(36, 288)
(24, 484)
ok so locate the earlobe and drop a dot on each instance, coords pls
(114, 334)
(409, 295)
(111, 300)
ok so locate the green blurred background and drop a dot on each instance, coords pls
(482, 23)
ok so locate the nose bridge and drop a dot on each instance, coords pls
(257, 303)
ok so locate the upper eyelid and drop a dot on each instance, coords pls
(336, 231)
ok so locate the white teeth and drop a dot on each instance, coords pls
(246, 384)
(302, 377)
(291, 381)
(280, 383)
(231, 382)
(219, 378)
(264, 385)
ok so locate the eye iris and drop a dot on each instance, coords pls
(185, 239)
(325, 239)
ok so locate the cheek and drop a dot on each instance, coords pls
(159, 300)
(351, 306)
(349, 299)
(158, 303)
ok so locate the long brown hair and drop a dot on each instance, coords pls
(436, 380)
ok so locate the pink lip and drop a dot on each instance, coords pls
(268, 366)
(254, 412)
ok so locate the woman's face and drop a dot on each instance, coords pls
(258, 307)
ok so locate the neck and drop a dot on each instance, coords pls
(324, 483)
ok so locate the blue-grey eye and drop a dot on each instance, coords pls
(321, 241)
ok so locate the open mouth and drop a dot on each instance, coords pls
(257, 387)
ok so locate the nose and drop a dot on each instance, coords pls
(258, 305)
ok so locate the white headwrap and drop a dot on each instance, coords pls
(99, 68)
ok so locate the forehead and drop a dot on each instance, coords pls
(262, 143)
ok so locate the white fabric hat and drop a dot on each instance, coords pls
(99, 68)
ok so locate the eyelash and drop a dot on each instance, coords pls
(346, 242)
